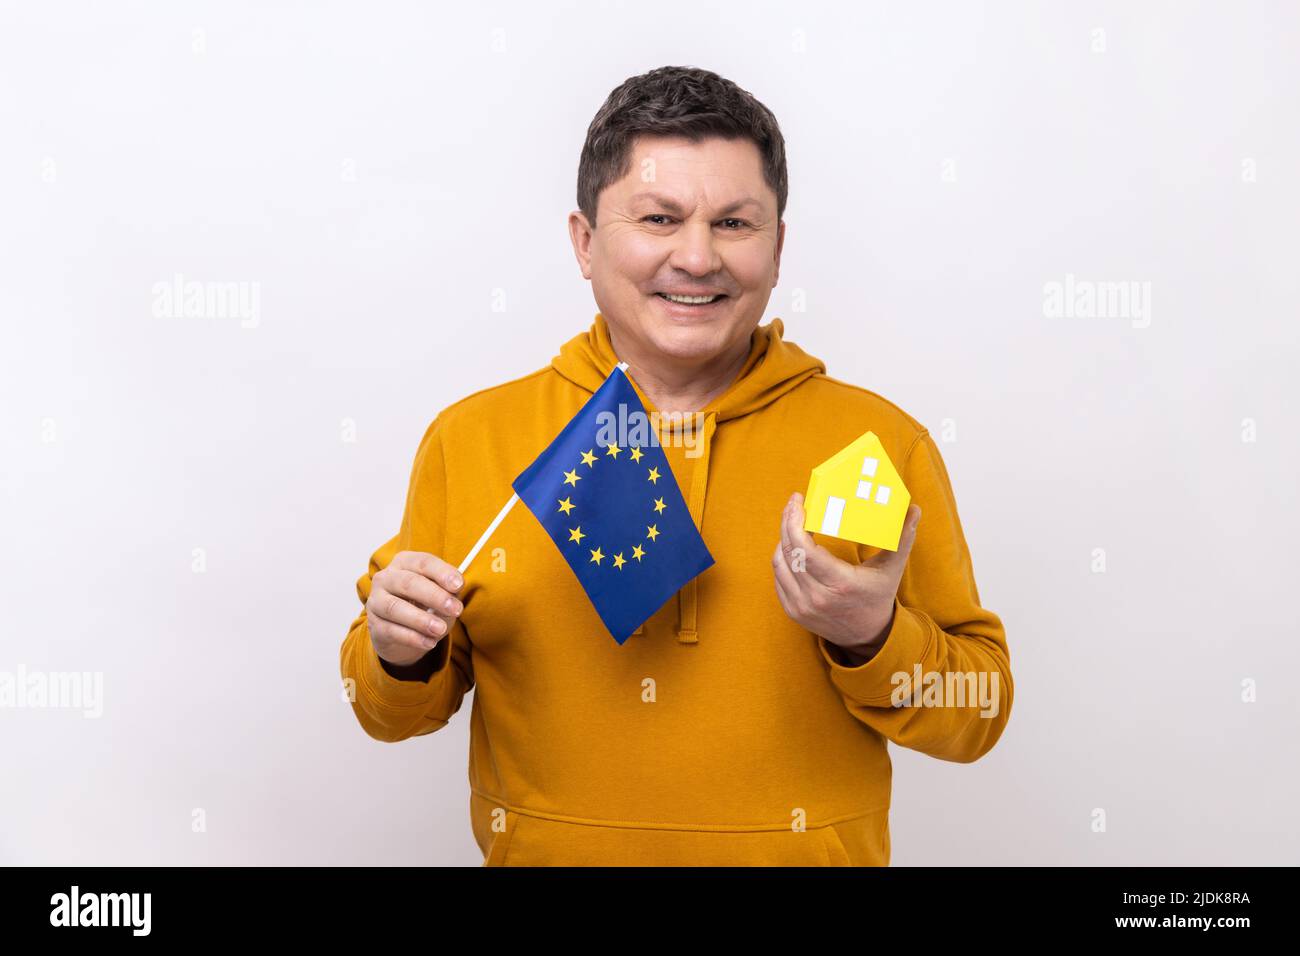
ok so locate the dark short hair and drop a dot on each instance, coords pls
(675, 101)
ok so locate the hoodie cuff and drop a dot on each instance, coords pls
(395, 693)
(873, 682)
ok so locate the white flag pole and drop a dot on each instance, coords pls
(478, 545)
(501, 516)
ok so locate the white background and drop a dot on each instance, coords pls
(383, 170)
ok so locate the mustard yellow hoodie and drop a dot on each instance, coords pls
(722, 733)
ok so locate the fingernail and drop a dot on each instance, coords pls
(456, 581)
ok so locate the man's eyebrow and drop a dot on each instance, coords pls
(672, 206)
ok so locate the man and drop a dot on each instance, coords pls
(746, 722)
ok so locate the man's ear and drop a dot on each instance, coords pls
(780, 241)
(580, 235)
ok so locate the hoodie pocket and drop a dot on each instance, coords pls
(496, 855)
(835, 850)
(539, 841)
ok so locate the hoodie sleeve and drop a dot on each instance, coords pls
(390, 708)
(939, 627)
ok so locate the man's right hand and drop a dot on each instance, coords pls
(412, 606)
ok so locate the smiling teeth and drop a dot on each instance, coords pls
(689, 299)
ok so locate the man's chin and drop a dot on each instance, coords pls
(694, 342)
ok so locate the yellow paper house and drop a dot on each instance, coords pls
(858, 495)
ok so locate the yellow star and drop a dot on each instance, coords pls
(588, 458)
(597, 556)
(566, 505)
(575, 534)
(572, 477)
(659, 506)
(654, 476)
(652, 532)
(613, 451)
(618, 561)
(637, 454)
(637, 551)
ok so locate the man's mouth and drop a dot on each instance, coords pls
(690, 299)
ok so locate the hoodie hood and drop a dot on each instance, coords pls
(773, 368)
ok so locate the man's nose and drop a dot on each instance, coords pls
(695, 250)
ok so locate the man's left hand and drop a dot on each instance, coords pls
(850, 605)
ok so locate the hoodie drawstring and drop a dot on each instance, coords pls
(688, 596)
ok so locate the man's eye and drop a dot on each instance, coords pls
(656, 215)
(738, 222)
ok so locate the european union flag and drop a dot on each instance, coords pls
(615, 512)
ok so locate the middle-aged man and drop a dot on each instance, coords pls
(746, 722)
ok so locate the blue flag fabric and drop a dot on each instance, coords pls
(615, 511)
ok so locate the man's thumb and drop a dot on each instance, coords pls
(908, 535)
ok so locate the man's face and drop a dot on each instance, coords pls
(695, 219)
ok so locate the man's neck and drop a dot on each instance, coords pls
(678, 387)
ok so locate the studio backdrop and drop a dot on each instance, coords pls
(1062, 237)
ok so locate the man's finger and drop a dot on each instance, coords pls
(390, 633)
(418, 589)
(785, 532)
(906, 538)
(394, 609)
(432, 567)
(785, 577)
(818, 561)
(787, 587)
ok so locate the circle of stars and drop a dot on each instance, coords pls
(576, 534)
